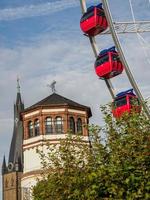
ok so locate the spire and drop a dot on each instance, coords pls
(4, 168)
(15, 152)
(18, 85)
(18, 99)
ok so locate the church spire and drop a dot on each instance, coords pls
(18, 85)
(4, 168)
(18, 99)
(16, 142)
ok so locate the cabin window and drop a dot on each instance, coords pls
(58, 125)
(48, 125)
(79, 125)
(115, 57)
(120, 102)
(37, 127)
(30, 129)
(102, 59)
(100, 13)
(87, 15)
(72, 124)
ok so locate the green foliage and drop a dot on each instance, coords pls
(116, 169)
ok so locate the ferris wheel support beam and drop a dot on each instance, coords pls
(96, 52)
(122, 57)
(129, 27)
(83, 6)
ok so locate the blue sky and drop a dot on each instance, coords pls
(40, 41)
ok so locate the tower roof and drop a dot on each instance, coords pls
(58, 100)
(4, 168)
(18, 98)
(15, 151)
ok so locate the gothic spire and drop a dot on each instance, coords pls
(18, 99)
(17, 137)
(18, 85)
(4, 168)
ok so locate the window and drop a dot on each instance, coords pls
(48, 125)
(72, 124)
(101, 60)
(30, 129)
(115, 57)
(79, 125)
(87, 15)
(100, 12)
(58, 125)
(37, 127)
(12, 181)
(120, 102)
(6, 183)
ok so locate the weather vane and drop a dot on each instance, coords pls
(52, 86)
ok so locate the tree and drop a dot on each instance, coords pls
(128, 146)
(118, 168)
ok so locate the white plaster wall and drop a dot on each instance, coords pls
(31, 160)
(26, 184)
(29, 181)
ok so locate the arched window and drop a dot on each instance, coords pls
(79, 125)
(58, 125)
(48, 125)
(30, 129)
(12, 181)
(72, 124)
(6, 183)
(37, 127)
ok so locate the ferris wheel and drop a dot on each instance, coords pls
(97, 20)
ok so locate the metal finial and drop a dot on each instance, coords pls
(52, 86)
(18, 85)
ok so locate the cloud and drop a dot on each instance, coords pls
(66, 58)
(36, 10)
(41, 63)
(28, 11)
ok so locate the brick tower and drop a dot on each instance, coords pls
(48, 121)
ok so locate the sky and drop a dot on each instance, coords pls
(41, 41)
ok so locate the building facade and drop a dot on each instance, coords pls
(49, 120)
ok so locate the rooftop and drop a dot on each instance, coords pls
(58, 100)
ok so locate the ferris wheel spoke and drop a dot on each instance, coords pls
(140, 38)
(129, 27)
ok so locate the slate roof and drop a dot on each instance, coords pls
(15, 152)
(4, 167)
(58, 100)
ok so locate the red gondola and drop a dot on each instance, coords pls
(108, 64)
(94, 21)
(125, 101)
